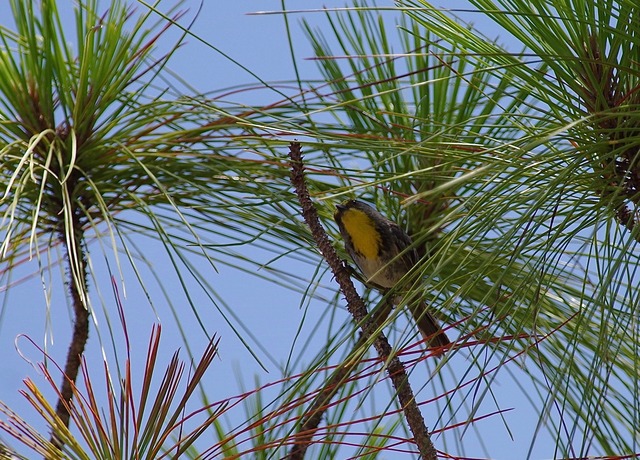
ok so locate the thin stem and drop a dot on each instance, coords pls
(75, 255)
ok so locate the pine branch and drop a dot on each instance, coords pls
(358, 310)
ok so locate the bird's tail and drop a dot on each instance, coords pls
(430, 327)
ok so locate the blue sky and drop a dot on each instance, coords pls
(259, 43)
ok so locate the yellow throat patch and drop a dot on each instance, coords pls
(364, 236)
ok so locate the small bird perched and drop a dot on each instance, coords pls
(383, 253)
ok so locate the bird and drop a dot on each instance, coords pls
(384, 254)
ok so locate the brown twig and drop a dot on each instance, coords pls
(303, 438)
(358, 310)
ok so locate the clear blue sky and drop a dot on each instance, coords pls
(259, 43)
